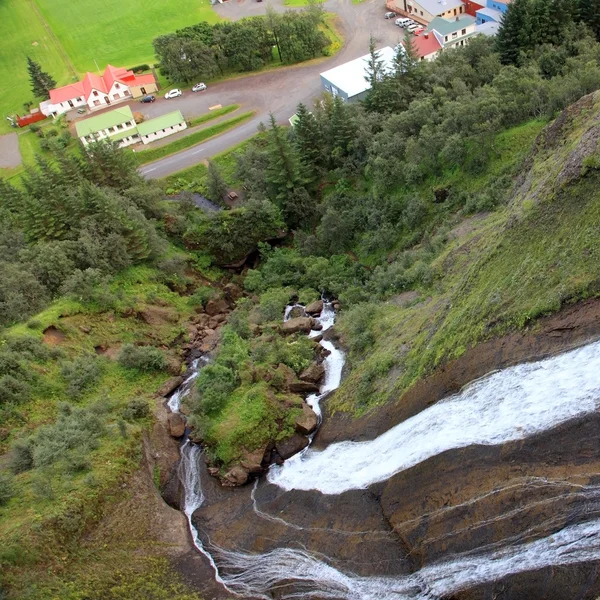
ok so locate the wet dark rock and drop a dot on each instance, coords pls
(303, 387)
(169, 386)
(237, 476)
(299, 324)
(297, 311)
(313, 374)
(315, 308)
(176, 425)
(306, 422)
(253, 461)
(292, 445)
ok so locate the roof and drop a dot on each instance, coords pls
(67, 92)
(293, 120)
(103, 121)
(350, 77)
(491, 13)
(436, 7)
(424, 46)
(489, 28)
(162, 122)
(123, 134)
(103, 83)
(445, 27)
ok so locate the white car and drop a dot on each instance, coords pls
(173, 94)
(412, 27)
(199, 87)
(403, 22)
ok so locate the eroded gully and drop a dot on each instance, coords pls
(324, 524)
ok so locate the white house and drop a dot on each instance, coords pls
(424, 11)
(117, 125)
(451, 34)
(161, 127)
(94, 91)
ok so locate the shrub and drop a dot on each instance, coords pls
(81, 374)
(135, 409)
(21, 458)
(34, 324)
(7, 490)
(140, 68)
(34, 128)
(27, 345)
(272, 304)
(202, 295)
(51, 133)
(13, 390)
(142, 358)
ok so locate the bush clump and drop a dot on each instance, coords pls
(142, 358)
(135, 410)
(7, 490)
(81, 374)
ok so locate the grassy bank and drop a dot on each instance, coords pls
(495, 272)
(145, 156)
(213, 114)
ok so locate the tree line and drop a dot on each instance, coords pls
(529, 24)
(203, 51)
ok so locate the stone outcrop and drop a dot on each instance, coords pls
(176, 425)
(237, 476)
(297, 311)
(253, 461)
(306, 422)
(313, 374)
(299, 324)
(314, 308)
(169, 386)
(303, 387)
(291, 445)
(216, 306)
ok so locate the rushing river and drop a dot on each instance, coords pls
(508, 405)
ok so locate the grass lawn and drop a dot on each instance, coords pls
(20, 29)
(146, 156)
(118, 32)
(213, 114)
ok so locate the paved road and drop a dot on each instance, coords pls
(278, 91)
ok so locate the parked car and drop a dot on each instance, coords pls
(389, 15)
(412, 28)
(147, 99)
(403, 22)
(199, 87)
(80, 111)
(419, 31)
(173, 93)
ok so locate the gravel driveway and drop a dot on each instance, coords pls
(277, 91)
(10, 155)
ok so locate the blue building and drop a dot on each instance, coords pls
(492, 12)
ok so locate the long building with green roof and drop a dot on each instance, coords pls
(119, 125)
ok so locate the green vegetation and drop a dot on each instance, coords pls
(196, 137)
(213, 114)
(204, 52)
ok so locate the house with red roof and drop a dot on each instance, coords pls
(426, 46)
(117, 84)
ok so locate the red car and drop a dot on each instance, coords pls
(419, 31)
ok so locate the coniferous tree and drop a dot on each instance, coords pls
(283, 171)
(308, 140)
(514, 35)
(589, 13)
(215, 184)
(41, 82)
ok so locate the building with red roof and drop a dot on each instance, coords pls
(426, 46)
(117, 84)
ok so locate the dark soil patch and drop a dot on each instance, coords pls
(53, 336)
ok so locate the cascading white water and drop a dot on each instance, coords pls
(510, 404)
(507, 405)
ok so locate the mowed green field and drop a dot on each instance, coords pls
(119, 32)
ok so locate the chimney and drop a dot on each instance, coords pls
(457, 18)
(426, 35)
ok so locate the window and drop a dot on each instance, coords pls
(119, 126)
(116, 96)
(454, 35)
(95, 93)
(463, 32)
(460, 10)
(117, 86)
(146, 136)
(126, 93)
(454, 12)
(96, 102)
(445, 38)
(421, 12)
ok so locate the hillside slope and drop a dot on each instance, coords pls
(498, 273)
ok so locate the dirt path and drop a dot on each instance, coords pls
(10, 155)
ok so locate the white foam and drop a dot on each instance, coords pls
(508, 405)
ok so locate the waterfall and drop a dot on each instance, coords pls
(507, 405)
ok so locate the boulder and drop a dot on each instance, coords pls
(232, 293)
(307, 421)
(176, 424)
(292, 445)
(216, 306)
(252, 461)
(303, 387)
(317, 326)
(202, 320)
(169, 386)
(284, 374)
(210, 340)
(314, 373)
(297, 311)
(304, 324)
(317, 338)
(214, 471)
(315, 308)
(237, 476)
(174, 366)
